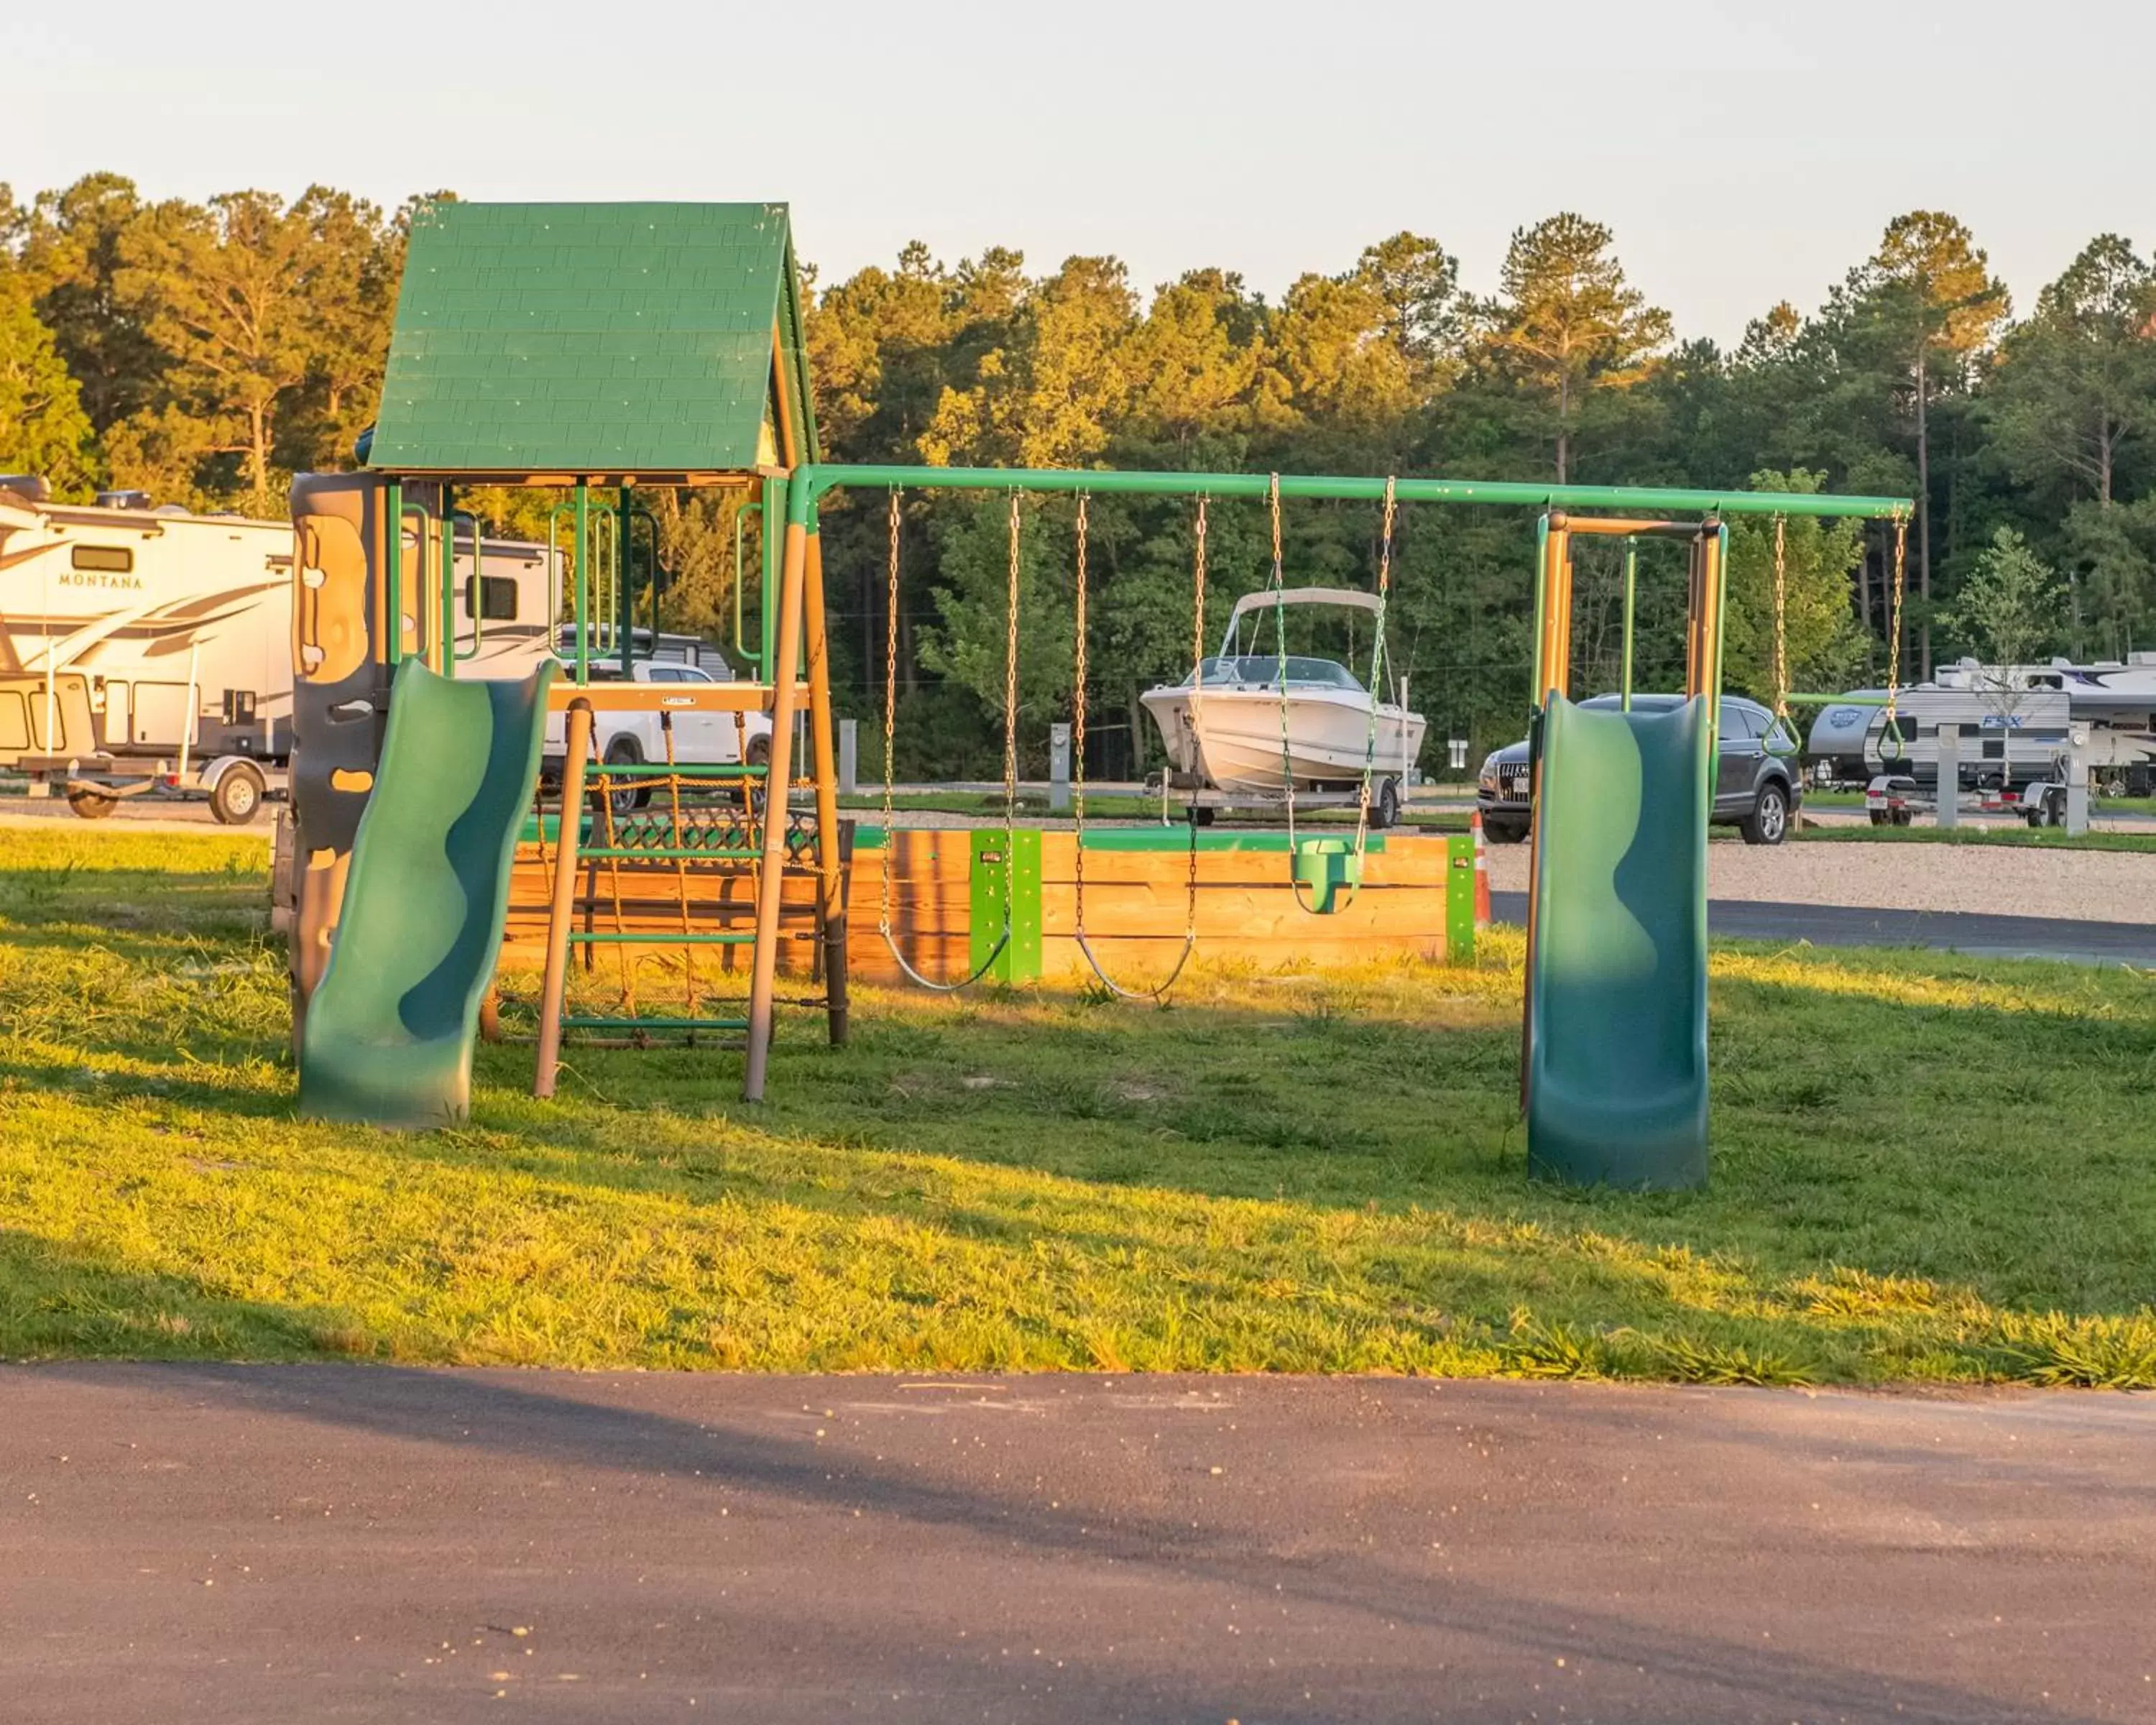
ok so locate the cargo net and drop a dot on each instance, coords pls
(669, 861)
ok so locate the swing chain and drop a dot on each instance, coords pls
(1781, 619)
(1781, 737)
(1078, 721)
(889, 707)
(1197, 696)
(1892, 729)
(1278, 585)
(1377, 671)
(1010, 708)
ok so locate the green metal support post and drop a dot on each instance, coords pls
(624, 620)
(582, 552)
(392, 563)
(1631, 593)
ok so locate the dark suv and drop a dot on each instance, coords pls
(1755, 790)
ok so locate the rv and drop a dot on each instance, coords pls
(2017, 716)
(2011, 730)
(151, 648)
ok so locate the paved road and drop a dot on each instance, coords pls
(1979, 935)
(243, 1544)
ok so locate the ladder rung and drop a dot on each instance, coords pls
(677, 938)
(580, 1021)
(685, 769)
(669, 853)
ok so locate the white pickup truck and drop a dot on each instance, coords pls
(700, 738)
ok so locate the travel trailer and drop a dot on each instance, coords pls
(146, 647)
(2015, 718)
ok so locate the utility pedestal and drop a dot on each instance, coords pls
(1059, 769)
(2077, 736)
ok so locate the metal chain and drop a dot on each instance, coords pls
(1893, 728)
(1010, 763)
(1781, 619)
(890, 712)
(1078, 724)
(1278, 585)
(1011, 711)
(1377, 670)
(1197, 696)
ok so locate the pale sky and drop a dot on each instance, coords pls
(1744, 153)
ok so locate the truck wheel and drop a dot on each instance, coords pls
(626, 798)
(237, 798)
(92, 805)
(1769, 822)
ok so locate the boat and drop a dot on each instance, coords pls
(1252, 723)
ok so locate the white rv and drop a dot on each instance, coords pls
(2018, 716)
(143, 647)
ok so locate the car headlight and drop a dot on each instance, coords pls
(1488, 781)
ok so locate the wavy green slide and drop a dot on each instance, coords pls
(1616, 1053)
(388, 1033)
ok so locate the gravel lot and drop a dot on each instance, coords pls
(2081, 886)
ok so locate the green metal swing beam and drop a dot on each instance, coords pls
(809, 484)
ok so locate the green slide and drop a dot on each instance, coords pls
(1616, 1052)
(388, 1033)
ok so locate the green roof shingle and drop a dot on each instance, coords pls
(589, 338)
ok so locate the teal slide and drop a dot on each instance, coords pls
(1616, 1039)
(388, 1033)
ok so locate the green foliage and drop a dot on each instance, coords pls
(215, 347)
(43, 428)
(2008, 609)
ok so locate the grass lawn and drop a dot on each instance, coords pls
(1926, 1169)
(2000, 833)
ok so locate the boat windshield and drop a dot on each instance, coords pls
(1264, 669)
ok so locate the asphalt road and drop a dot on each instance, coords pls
(1978, 935)
(332, 1542)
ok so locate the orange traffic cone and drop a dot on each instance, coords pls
(1482, 874)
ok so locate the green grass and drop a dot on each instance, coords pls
(2026, 837)
(1926, 1169)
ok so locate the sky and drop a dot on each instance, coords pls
(1743, 153)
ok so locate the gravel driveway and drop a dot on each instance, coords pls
(2081, 886)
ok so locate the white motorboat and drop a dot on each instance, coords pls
(1255, 724)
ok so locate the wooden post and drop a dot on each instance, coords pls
(561, 911)
(785, 666)
(832, 903)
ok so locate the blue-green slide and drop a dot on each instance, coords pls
(1616, 1037)
(388, 1033)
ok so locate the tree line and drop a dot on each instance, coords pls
(205, 351)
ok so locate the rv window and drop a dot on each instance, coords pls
(491, 599)
(112, 559)
(14, 721)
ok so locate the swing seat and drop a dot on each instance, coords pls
(1322, 866)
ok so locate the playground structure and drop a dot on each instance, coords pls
(554, 374)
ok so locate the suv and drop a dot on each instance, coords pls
(1755, 790)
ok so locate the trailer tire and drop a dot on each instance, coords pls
(1386, 811)
(91, 805)
(236, 798)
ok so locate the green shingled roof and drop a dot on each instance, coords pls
(590, 338)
